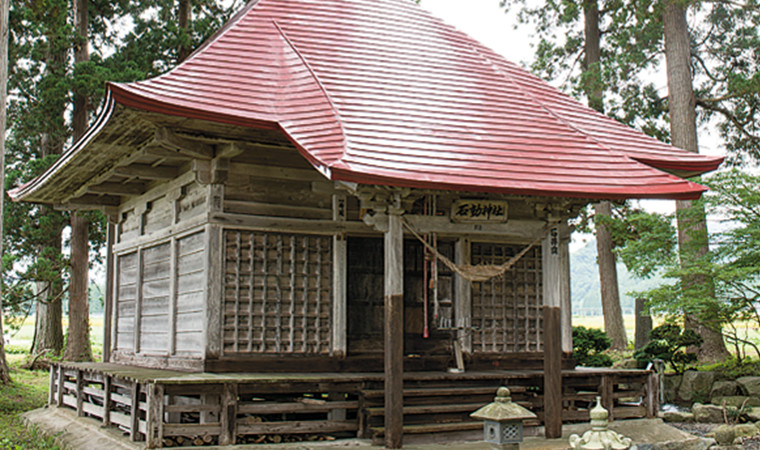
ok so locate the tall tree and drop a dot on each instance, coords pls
(594, 89)
(78, 343)
(692, 221)
(53, 100)
(5, 375)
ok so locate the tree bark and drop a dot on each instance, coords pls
(692, 223)
(643, 326)
(594, 89)
(185, 16)
(78, 343)
(49, 311)
(5, 375)
(608, 280)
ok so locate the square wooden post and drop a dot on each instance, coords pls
(394, 331)
(552, 291)
(108, 301)
(80, 393)
(51, 386)
(106, 400)
(228, 416)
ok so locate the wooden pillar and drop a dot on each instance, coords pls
(394, 332)
(61, 380)
(565, 290)
(51, 385)
(463, 296)
(108, 313)
(552, 292)
(106, 400)
(154, 417)
(80, 393)
(607, 389)
(340, 248)
(228, 417)
(134, 413)
(213, 270)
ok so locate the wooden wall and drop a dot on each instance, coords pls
(246, 257)
(160, 281)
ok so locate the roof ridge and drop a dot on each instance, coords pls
(324, 90)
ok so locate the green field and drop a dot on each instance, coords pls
(21, 336)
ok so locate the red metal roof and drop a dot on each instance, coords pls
(380, 91)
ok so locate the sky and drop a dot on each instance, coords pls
(488, 23)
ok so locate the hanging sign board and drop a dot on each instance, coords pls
(479, 211)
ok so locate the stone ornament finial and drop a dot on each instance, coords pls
(600, 437)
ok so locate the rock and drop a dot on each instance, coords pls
(677, 416)
(707, 413)
(724, 389)
(745, 430)
(671, 383)
(749, 386)
(724, 434)
(696, 386)
(736, 401)
(752, 415)
(626, 364)
(690, 444)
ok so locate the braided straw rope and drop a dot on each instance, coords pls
(480, 272)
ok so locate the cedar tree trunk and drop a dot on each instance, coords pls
(594, 89)
(692, 224)
(185, 16)
(78, 343)
(5, 376)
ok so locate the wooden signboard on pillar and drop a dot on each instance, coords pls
(552, 291)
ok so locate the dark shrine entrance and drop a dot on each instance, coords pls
(429, 322)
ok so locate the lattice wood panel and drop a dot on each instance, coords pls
(277, 293)
(506, 310)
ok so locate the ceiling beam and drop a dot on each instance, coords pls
(147, 172)
(118, 189)
(90, 202)
(171, 141)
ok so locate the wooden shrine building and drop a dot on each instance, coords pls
(268, 200)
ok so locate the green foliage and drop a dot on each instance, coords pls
(588, 347)
(734, 368)
(732, 265)
(669, 342)
(28, 391)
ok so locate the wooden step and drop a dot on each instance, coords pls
(442, 392)
(432, 428)
(428, 409)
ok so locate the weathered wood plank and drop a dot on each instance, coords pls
(134, 413)
(294, 407)
(297, 427)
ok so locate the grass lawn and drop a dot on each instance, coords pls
(28, 391)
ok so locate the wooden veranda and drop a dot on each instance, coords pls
(166, 408)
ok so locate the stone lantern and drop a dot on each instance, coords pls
(503, 426)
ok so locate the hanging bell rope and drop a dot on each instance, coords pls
(480, 272)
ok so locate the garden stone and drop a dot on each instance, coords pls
(696, 386)
(627, 364)
(749, 385)
(724, 435)
(736, 401)
(707, 413)
(745, 430)
(724, 389)
(752, 415)
(671, 384)
(691, 444)
(677, 416)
